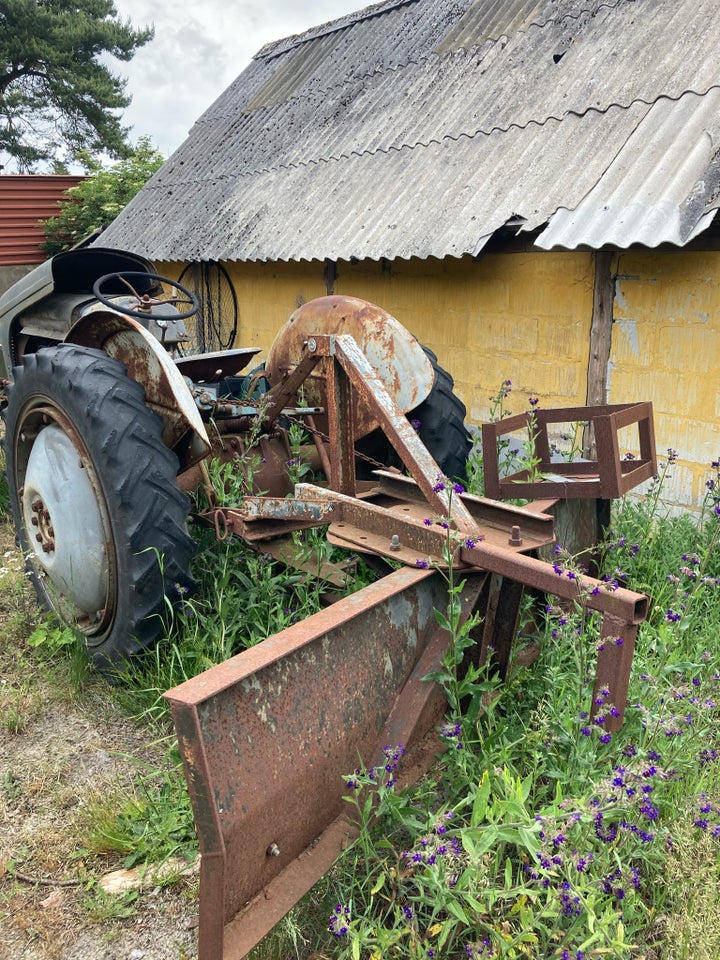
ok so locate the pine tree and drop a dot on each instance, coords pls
(57, 96)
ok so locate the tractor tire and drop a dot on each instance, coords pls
(94, 499)
(442, 423)
(441, 419)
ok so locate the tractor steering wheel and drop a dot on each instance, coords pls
(145, 301)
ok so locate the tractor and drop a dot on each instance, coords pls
(110, 419)
(110, 422)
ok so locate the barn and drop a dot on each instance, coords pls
(530, 186)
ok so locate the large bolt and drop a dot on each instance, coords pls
(395, 542)
(515, 539)
(273, 850)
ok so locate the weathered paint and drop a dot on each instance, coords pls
(392, 352)
(521, 316)
(525, 316)
(666, 349)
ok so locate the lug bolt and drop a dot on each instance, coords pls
(515, 539)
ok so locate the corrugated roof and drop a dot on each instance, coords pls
(420, 127)
(25, 201)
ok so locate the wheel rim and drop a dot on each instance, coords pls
(68, 531)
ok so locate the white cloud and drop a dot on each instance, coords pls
(197, 53)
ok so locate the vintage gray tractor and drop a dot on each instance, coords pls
(110, 420)
(107, 415)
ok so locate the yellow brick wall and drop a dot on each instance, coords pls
(666, 348)
(523, 317)
(526, 317)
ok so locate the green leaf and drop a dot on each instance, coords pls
(456, 910)
(379, 884)
(481, 801)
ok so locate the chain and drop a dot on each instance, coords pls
(322, 436)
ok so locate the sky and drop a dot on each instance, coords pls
(198, 52)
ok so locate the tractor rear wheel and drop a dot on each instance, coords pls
(440, 423)
(94, 499)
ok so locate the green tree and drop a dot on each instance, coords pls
(94, 202)
(56, 93)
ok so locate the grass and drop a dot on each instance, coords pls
(538, 834)
(552, 837)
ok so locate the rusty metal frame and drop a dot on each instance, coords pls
(267, 736)
(606, 477)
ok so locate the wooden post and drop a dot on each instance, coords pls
(600, 336)
(599, 360)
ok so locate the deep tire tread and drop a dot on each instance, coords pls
(137, 473)
(442, 429)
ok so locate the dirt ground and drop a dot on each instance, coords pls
(60, 751)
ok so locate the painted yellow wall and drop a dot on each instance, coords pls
(267, 294)
(526, 317)
(523, 317)
(666, 348)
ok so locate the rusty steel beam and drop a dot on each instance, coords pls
(623, 610)
(284, 508)
(267, 737)
(536, 526)
(622, 604)
(362, 525)
(403, 534)
(373, 527)
(278, 397)
(340, 425)
(413, 453)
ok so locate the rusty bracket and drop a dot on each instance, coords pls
(352, 369)
(280, 395)
(607, 477)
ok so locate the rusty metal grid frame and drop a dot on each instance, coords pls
(607, 477)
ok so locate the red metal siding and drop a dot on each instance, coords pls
(25, 200)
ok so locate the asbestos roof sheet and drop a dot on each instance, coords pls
(420, 127)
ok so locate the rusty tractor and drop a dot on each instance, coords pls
(110, 420)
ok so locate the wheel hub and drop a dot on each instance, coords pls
(66, 520)
(45, 535)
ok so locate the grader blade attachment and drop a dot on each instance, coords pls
(267, 736)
